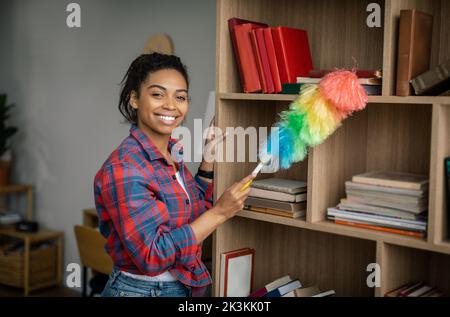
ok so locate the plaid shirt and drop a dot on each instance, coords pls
(145, 214)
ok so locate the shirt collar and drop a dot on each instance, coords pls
(151, 149)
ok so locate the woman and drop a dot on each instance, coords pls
(153, 212)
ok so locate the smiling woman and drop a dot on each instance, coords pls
(153, 212)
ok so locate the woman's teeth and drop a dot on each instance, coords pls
(167, 118)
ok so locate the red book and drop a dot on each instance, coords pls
(293, 53)
(272, 59)
(264, 66)
(259, 67)
(246, 68)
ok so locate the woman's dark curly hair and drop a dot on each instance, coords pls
(138, 72)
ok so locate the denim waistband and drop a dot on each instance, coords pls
(144, 284)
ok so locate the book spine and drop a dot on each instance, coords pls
(280, 51)
(272, 59)
(259, 65)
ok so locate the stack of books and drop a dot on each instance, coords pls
(385, 201)
(268, 57)
(278, 196)
(287, 287)
(9, 217)
(417, 289)
(370, 80)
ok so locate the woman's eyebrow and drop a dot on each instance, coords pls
(165, 89)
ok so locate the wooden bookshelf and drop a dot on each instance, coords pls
(409, 134)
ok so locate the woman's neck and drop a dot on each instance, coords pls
(161, 141)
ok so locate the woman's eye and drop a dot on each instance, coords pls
(181, 98)
(156, 94)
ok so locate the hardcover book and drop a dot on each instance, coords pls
(236, 272)
(414, 48)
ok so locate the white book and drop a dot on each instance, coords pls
(236, 272)
(385, 189)
(420, 291)
(268, 194)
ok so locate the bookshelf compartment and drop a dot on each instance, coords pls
(337, 31)
(382, 137)
(315, 258)
(402, 265)
(248, 115)
(440, 49)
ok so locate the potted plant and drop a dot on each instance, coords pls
(6, 132)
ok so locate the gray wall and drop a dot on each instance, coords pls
(65, 83)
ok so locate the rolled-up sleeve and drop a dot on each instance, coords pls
(141, 221)
(206, 191)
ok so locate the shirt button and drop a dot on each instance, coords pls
(174, 177)
(187, 201)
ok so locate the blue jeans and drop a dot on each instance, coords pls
(120, 285)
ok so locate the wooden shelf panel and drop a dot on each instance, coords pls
(424, 100)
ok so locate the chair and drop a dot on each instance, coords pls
(92, 255)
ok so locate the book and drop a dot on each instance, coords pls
(291, 89)
(284, 289)
(433, 82)
(236, 272)
(270, 194)
(304, 292)
(275, 212)
(262, 58)
(372, 90)
(384, 189)
(393, 179)
(388, 197)
(410, 289)
(357, 217)
(362, 81)
(396, 292)
(415, 234)
(282, 185)
(360, 73)
(416, 209)
(293, 53)
(350, 205)
(271, 54)
(246, 61)
(329, 293)
(414, 48)
(275, 204)
(421, 291)
(271, 286)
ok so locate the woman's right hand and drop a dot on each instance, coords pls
(232, 200)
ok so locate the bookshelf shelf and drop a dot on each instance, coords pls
(407, 134)
(424, 100)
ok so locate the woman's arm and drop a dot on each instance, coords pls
(231, 201)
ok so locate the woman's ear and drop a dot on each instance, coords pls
(133, 100)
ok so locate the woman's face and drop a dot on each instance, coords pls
(163, 102)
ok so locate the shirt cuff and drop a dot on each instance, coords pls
(205, 187)
(186, 245)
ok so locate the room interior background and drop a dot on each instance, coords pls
(65, 84)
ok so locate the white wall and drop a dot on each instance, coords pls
(65, 84)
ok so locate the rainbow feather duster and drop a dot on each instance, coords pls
(317, 112)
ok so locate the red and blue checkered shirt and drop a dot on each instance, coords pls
(144, 212)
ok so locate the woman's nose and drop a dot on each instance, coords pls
(170, 103)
